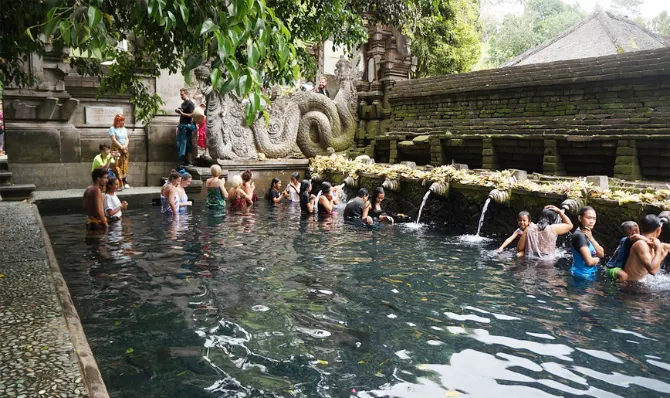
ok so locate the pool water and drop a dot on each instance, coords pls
(271, 304)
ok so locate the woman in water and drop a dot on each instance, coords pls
(586, 251)
(237, 197)
(120, 143)
(306, 197)
(170, 195)
(113, 206)
(216, 190)
(293, 188)
(539, 240)
(326, 200)
(248, 186)
(274, 194)
(184, 203)
(376, 211)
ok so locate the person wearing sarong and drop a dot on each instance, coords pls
(120, 144)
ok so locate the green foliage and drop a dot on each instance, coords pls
(629, 8)
(446, 41)
(660, 25)
(540, 21)
(244, 40)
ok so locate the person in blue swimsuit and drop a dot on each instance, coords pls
(586, 251)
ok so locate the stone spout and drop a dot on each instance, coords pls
(665, 218)
(351, 182)
(440, 189)
(391, 185)
(501, 197)
(573, 205)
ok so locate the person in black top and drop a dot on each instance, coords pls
(321, 89)
(357, 208)
(186, 127)
(306, 197)
(376, 211)
(274, 194)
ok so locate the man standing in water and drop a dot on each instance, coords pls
(645, 258)
(93, 202)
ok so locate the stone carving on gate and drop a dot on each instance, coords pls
(305, 122)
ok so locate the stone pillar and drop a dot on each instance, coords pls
(489, 158)
(552, 164)
(627, 166)
(436, 156)
(393, 153)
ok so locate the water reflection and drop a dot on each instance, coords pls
(266, 302)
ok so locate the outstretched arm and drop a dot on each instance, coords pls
(507, 242)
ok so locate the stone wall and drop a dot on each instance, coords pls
(607, 115)
(53, 130)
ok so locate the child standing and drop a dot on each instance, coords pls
(523, 221)
(113, 206)
(202, 131)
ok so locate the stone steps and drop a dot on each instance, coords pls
(5, 176)
(9, 191)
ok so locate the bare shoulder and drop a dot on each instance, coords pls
(640, 245)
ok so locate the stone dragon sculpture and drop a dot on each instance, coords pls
(309, 121)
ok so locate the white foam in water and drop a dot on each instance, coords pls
(657, 283)
(260, 308)
(468, 317)
(622, 331)
(473, 239)
(434, 342)
(541, 336)
(392, 316)
(314, 332)
(402, 354)
(412, 226)
(661, 365)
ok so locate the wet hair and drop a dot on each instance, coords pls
(174, 174)
(235, 180)
(325, 188)
(363, 192)
(215, 170)
(547, 217)
(378, 191)
(246, 176)
(273, 182)
(296, 175)
(185, 175)
(628, 225)
(649, 223)
(118, 119)
(110, 183)
(523, 213)
(583, 211)
(104, 146)
(99, 172)
(304, 186)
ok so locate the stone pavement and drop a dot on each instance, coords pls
(43, 349)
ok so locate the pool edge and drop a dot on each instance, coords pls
(88, 366)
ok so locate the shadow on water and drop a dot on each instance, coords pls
(269, 303)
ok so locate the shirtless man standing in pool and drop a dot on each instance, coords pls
(645, 258)
(93, 203)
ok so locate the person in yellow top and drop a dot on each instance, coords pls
(104, 159)
(120, 143)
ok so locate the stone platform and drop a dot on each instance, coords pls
(44, 352)
(71, 199)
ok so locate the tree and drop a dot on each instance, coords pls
(447, 41)
(627, 8)
(540, 21)
(660, 25)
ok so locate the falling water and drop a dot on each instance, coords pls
(423, 203)
(481, 218)
(316, 203)
(342, 195)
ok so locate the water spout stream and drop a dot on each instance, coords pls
(423, 203)
(481, 218)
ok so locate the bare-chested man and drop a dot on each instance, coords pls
(93, 202)
(646, 255)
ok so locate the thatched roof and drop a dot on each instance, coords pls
(600, 34)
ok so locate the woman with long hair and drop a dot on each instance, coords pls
(539, 239)
(376, 211)
(120, 144)
(248, 186)
(170, 194)
(586, 251)
(275, 195)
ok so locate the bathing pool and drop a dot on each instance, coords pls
(270, 304)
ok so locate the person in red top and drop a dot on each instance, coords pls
(201, 122)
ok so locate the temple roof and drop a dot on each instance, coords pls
(602, 33)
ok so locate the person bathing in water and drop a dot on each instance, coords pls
(113, 205)
(616, 264)
(216, 189)
(293, 188)
(586, 251)
(275, 195)
(646, 254)
(376, 211)
(306, 197)
(327, 200)
(522, 221)
(357, 209)
(184, 203)
(93, 201)
(170, 195)
(539, 240)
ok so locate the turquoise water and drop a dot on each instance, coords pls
(269, 304)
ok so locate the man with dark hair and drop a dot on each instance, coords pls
(647, 254)
(357, 208)
(93, 201)
(186, 127)
(322, 88)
